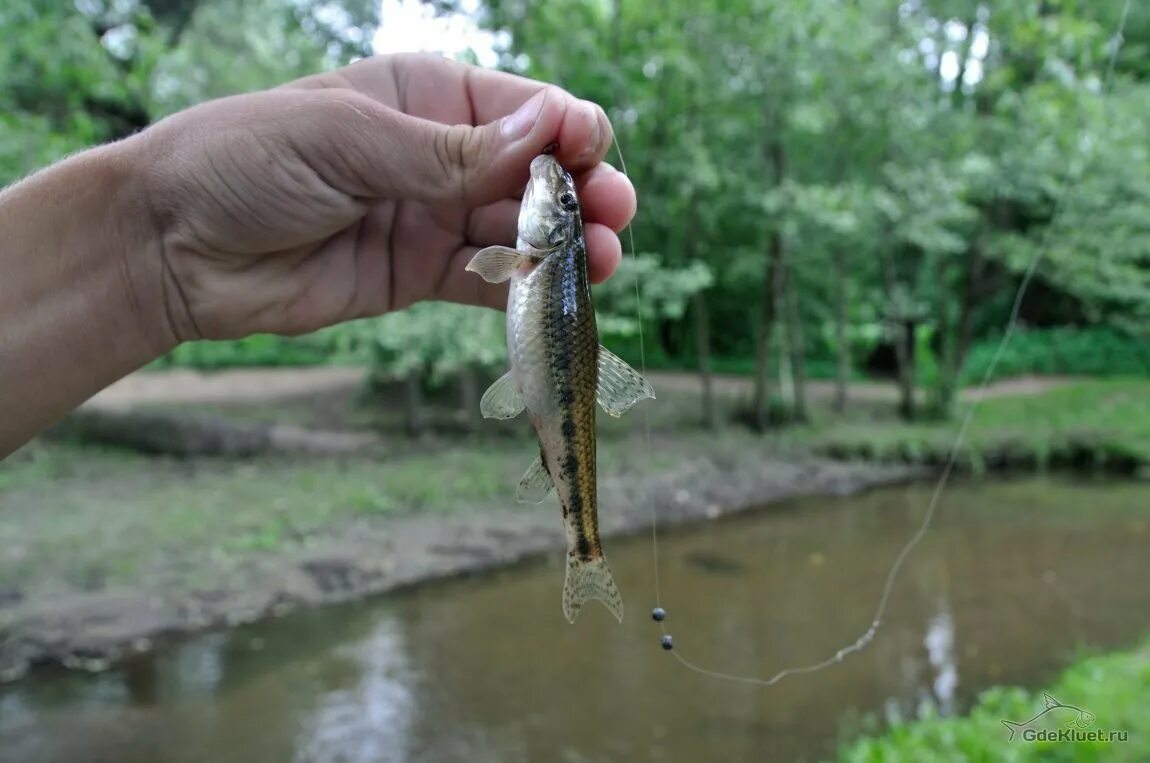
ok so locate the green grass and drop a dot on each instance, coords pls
(1115, 688)
(1081, 424)
(98, 518)
(89, 518)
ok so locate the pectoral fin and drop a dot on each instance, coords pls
(620, 386)
(502, 399)
(536, 483)
(496, 264)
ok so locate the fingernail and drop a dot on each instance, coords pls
(519, 123)
(592, 146)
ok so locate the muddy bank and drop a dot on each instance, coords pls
(372, 555)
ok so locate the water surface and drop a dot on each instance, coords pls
(1013, 578)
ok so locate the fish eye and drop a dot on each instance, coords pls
(567, 200)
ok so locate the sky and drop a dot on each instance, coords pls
(408, 26)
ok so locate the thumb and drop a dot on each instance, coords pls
(372, 150)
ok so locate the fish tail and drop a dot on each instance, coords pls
(590, 579)
(1013, 728)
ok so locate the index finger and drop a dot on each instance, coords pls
(429, 86)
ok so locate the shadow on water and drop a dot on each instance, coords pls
(1013, 578)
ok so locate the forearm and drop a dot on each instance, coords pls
(80, 288)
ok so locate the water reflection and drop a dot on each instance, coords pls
(939, 644)
(1010, 581)
(366, 709)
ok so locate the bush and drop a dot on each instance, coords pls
(1115, 688)
(256, 350)
(1068, 350)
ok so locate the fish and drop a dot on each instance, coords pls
(559, 371)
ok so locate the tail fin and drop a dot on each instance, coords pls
(1013, 728)
(590, 579)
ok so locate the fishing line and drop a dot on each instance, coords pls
(952, 458)
(643, 371)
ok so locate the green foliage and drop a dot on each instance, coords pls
(933, 188)
(276, 40)
(431, 338)
(663, 293)
(912, 161)
(1115, 688)
(75, 74)
(1068, 351)
(255, 350)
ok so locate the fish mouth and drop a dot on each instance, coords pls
(546, 168)
(540, 217)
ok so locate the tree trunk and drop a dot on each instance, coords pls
(798, 349)
(904, 339)
(782, 337)
(970, 297)
(413, 392)
(771, 279)
(772, 274)
(905, 354)
(703, 348)
(842, 350)
(702, 317)
(469, 398)
(956, 338)
(947, 373)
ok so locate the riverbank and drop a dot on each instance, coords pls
(111, 550)
(114, 551)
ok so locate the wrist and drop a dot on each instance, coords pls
(81, 287)
(146, 290)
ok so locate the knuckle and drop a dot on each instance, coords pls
(457, 151)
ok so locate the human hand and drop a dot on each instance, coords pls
(358, 192)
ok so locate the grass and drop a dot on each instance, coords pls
(89, 519)
(101, 518)
(1096, 423)
(1114, 687)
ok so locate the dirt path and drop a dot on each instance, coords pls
(233, 386)
(870, 391)
(272, 384)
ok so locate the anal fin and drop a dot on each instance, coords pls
(536, 483)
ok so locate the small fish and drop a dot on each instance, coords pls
(559, 370)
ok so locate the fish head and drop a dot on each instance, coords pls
(549, 216)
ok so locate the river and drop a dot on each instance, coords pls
(1013, 579)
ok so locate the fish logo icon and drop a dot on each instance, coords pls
(1073, 717)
